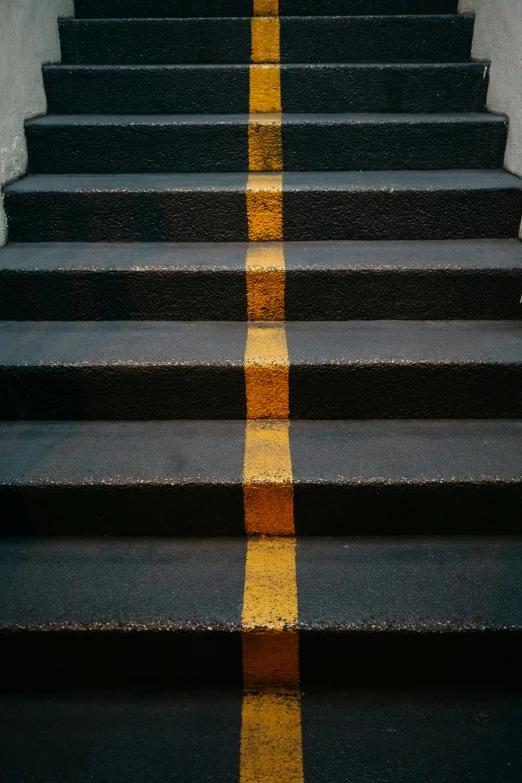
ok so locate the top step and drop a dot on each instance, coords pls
(92, 9)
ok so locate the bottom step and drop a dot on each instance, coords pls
(356, 735)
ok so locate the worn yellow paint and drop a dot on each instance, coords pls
(271, 738)
(265, 142)
(265, 281)
(264, 197)
(267, 372)
(270, 595)
(266, 7)
(266, 36)
(268, 491)
(271, 660)
(265, 88)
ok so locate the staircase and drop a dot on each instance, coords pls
(261, 402)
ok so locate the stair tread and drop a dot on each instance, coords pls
(362, 38)
(169, 8)
(305, 87)
(222, 343)
(461, 584)
(455, 180)
(474, 66)
(342, 453)
(374, 734)
(287, 118)
(481, 254)
(332, 280)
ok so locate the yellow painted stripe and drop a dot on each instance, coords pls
(268, 490)
(265, 88)
(265, 281)
(271, 660)
(265, 142)
(267, 371)
(271, 738)
(270, 596)
(264, 197)
(266, 37)
(266, 7)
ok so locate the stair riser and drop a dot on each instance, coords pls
(306, 40)
(311, 146)
(310, 295)
(184, 8)
(220, 216)
(304, 88)
(376, 391)
(376, 658)
(436, 508)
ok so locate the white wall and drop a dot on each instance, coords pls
(28, 38)
(498, 37)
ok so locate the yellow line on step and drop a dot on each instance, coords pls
(266, 8)
(265, 89)
(268, 490)
(266, 39)
(271, 741)
(267, 369)
(265, 143)
(271, 660)
(265, 280)
(270, 597)
(264, 133)
(271, 737)
(264, 202)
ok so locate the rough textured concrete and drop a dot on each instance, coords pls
(128, 370)
(388, 735)
(424, 38)
(28, 38)
(125, 736)
(97, 144)
(184, 478)
(395, 736)
(186, 8)
(193, 281)
(345, 584)
(498, 37)
(210, 207)
(146, 89)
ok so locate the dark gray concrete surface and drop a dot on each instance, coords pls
(185, 477)
(216, 142)
(207, 281)
(135, 8)
(423, 38)
(146, 89)
(454, 204)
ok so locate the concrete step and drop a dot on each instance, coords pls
(119, 611)
(149, 89)
(456, 204)
(324, 281)
(196, 370)
(311, 142)
(182, 8)
(388, 39)
(361, 734)
(185, 478)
